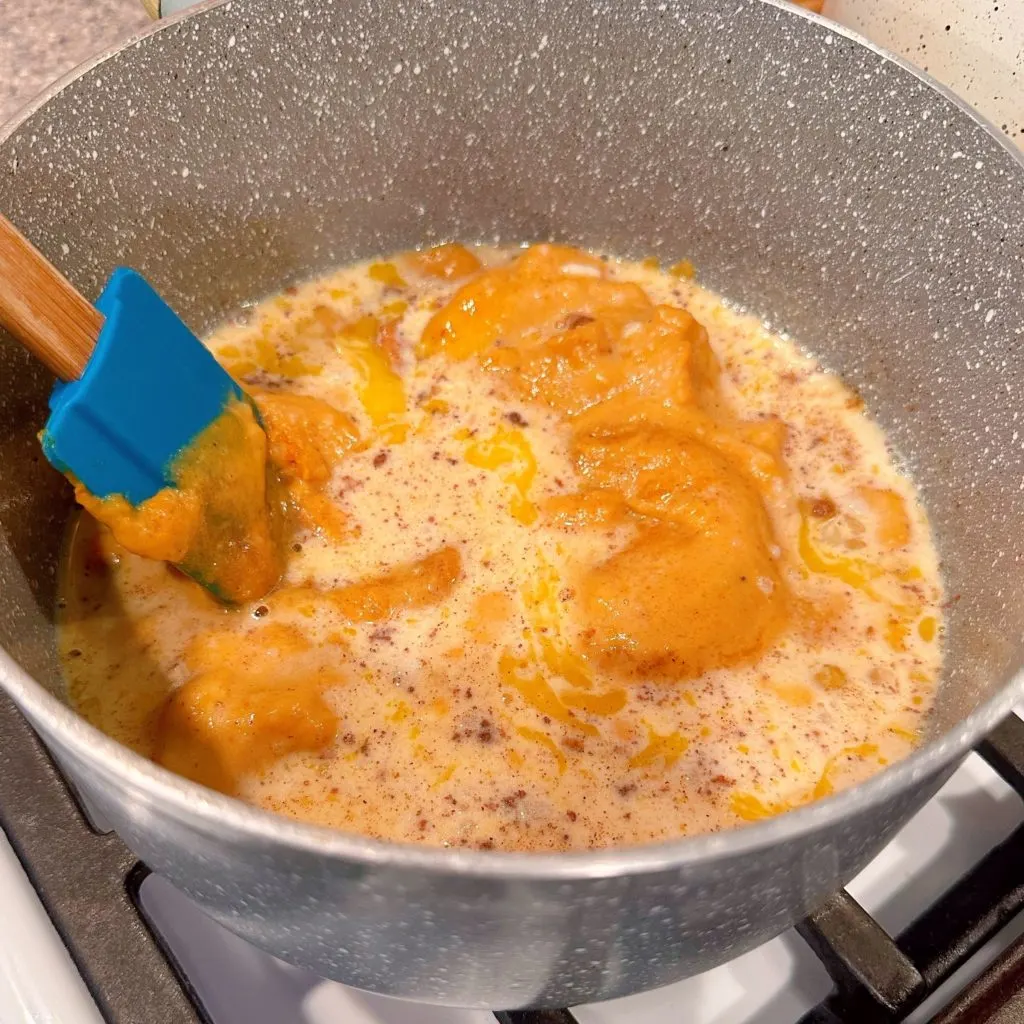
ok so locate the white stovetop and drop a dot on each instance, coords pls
(977, 48)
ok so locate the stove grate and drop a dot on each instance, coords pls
(881, 980)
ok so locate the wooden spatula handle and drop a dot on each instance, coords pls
(41, 309)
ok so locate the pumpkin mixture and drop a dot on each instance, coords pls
(568, 554)
(226, 533)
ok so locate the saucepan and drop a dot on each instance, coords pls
(813, 179)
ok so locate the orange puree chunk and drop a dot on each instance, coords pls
(317, 510)
(425, 582)
(418, 584)
(668, 475)
(308, 437)
(699, 591)
(657, 362)
(387, 274)
(271, 646)
(527, 300)
(890, 510)
(163, 527)
(445, 261)
(594, 508)
(218, 521)
(221, 726)
(676, 603)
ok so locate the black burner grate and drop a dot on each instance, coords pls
(89, 884)
(881, 979)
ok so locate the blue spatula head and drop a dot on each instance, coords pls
(150, 388)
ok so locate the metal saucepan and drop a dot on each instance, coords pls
(809, 177)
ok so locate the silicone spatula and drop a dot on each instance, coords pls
(135, 385)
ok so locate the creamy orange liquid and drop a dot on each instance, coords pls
(456, 656)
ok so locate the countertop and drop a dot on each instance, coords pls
(38, 42)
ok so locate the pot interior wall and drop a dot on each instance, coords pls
(808, 179)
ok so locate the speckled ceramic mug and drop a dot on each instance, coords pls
(809, 177)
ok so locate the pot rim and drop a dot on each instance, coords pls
(210, 812)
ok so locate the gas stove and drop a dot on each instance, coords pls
(936, 914)
(929, 931)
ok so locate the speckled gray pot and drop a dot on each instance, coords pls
(807, 176)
